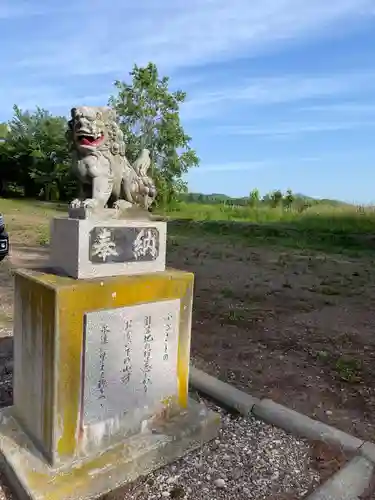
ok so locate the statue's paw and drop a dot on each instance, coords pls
(149, 188)
(117, 205)
(149, 192)
(76, 203)
(151, 198)
(90, 203)
(152, 192)
(121, 205)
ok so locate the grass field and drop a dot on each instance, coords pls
(345, 218)
(326, 228)
(284, 303)
(341, 229)
(28, 221)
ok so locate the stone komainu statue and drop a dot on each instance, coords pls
(106, 177)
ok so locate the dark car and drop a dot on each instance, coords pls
(4, 239)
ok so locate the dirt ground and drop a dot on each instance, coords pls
(297, 327)
(294, 326)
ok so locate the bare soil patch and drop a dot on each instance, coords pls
(294, 326)
(6, 295)
(22, 255)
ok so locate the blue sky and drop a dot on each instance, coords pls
(281, 93)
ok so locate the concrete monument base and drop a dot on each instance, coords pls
(95, 248)
(95, 360)
(32, 478)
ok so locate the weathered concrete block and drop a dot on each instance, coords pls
(33, 479)
(367, 450)
(96, 359)
(223, 393)
(349, 483)
(93, 248)
(101, 371)
(304, 426)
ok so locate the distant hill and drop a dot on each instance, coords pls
(216, 198)
(323, 201)
(213, 198)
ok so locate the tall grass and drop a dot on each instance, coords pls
(343, 219)
(319, 226)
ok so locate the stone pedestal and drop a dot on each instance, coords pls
(101, 369)
(98, 248)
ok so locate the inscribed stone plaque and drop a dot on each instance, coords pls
(130, 358)
(123, 244)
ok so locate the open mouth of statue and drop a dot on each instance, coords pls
(90, 140)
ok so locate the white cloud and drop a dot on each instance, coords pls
(11, 11)
(247, 166)
(89, 39)
(8, 10)
(206, 104)
(341, 108)
(278, 90)
(53, 99)
(230, 167)
(108, 38)
(288, 129)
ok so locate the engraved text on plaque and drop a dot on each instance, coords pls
(130, 358)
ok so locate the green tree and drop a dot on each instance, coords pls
(254, 197)
(35, 155)
(288, 199)
(3, 130)
(149, 117)
(276, 198)
(266, 199)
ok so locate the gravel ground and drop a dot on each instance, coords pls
(249, 460)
